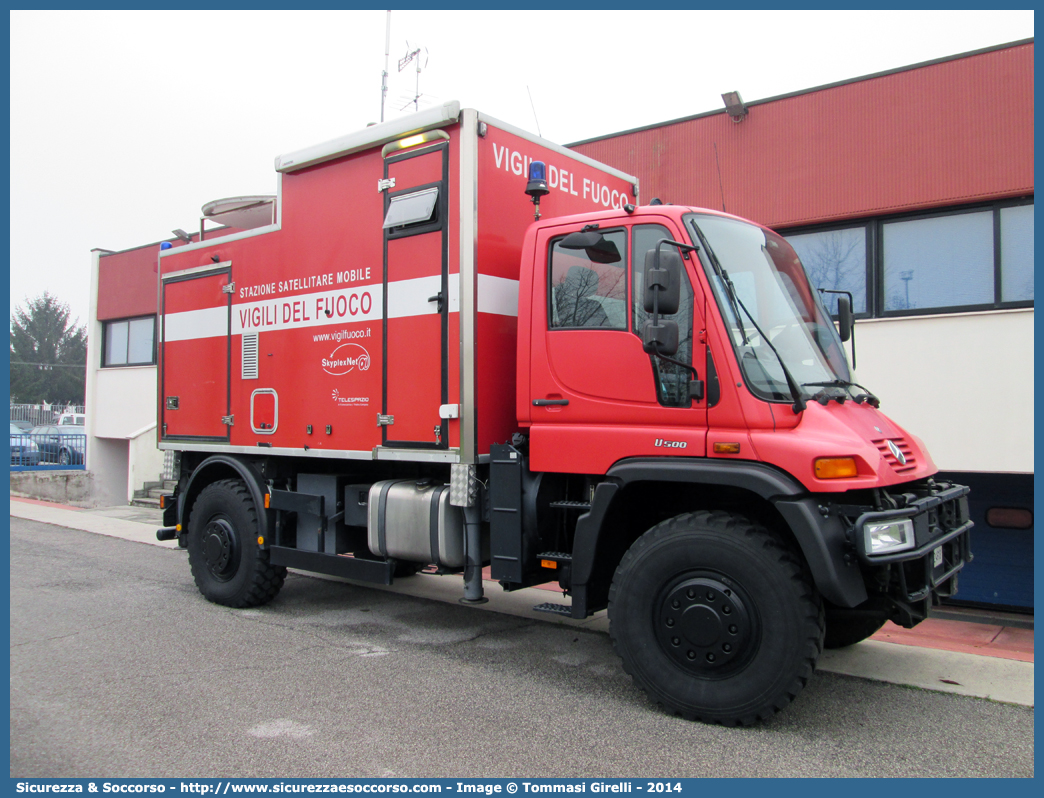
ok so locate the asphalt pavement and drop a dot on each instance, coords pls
(120, 668)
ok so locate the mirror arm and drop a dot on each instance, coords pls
(695, 374)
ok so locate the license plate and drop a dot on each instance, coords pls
(937, 557)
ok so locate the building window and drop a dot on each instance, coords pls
(940, 262)
(835, 260)
(958, 260)
(1016, 246)
(130, 342)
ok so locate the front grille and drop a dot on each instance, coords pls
(904, 447)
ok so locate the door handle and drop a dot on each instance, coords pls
(437, 298)
(546, 402)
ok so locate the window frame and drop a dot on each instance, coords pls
(107, 325)
(875, 288)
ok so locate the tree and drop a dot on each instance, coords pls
(48, 353)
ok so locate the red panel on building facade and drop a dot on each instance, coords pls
(127, 283)
(947, 133)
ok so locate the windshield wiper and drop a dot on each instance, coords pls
(730, 289)
(822, 397)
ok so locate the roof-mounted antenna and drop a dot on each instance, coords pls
(387, 52)
(414, 55)
(531, 105)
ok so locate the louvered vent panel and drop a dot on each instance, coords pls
(250, 356)
(904, 447)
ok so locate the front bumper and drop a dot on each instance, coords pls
(913, 580)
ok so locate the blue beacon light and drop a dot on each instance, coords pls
(537, 185)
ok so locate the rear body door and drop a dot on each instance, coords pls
(196, 353)
(416, 298)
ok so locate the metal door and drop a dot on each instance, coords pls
(195, 392)
(416, 298)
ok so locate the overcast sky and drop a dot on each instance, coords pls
(123, 124)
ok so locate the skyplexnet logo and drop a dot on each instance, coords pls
(345, 359)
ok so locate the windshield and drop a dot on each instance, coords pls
(762, 290)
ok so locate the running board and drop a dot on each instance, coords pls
(376, 571)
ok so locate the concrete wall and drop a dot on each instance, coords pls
(962, 383)
(75, 488)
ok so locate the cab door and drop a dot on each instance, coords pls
(416, 298)
(596, 395)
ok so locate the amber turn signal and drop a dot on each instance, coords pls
(260, 541)
(726, 448)
(835, 467)
(268, 500)
(548, 564)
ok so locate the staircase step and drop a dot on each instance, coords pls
(567, 505)
(170, 484)
(554, 609)
(146, 501)
(155, 493)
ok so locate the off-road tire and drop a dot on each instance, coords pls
(842, 632)
(229, 566)
(715, 618)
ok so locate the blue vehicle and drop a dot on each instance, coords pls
(62, 444)
(24, 450)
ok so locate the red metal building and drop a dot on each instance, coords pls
(950, 131)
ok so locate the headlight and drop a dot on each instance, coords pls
(886, 537)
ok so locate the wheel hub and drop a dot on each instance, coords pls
(219, 546)
(704, 625)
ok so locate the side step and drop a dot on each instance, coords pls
(569, 505)
(555, 609)
(560, 557)
(376, 571)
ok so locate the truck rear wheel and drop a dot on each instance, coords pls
(715, 619)
(228, 565)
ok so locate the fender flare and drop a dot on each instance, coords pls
(821, 538)
(222, 462)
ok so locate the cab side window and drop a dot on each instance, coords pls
(672, 381)
(588, 288)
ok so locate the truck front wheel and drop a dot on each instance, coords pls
(227, 563)
(715, 619)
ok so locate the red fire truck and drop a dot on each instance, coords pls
(460, 345)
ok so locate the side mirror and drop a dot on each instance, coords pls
(844, 317)
(660, 337)
(596, 246)
(663, 270)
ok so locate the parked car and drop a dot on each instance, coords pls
(24, 451)
(64, 445)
